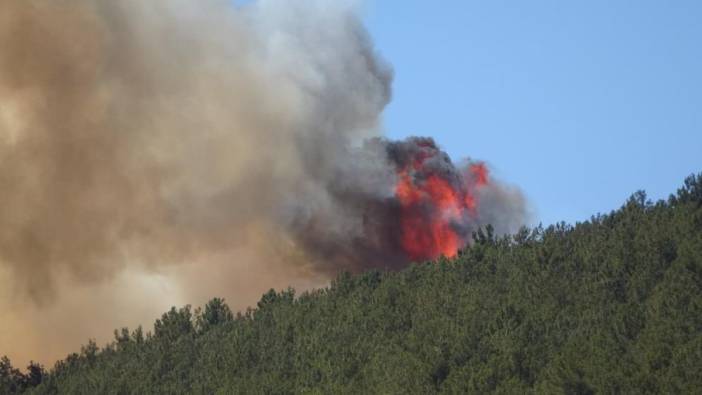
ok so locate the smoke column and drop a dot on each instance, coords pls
(179, 150)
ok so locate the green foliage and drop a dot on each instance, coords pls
(12, 381)
(216, 313)
(610, 305)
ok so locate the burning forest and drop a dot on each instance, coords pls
(240, 142)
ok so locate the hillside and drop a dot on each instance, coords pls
(613, 304)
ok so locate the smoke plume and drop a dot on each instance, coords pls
(232, 148)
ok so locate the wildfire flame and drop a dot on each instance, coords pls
(434, 205)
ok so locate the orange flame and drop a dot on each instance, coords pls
(432, 206)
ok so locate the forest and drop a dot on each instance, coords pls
(609, 305)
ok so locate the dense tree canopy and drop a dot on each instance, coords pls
(613, 304)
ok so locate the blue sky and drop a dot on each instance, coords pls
(578, 103)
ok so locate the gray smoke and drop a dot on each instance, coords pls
(162, 129)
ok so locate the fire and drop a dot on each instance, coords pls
(435, 204)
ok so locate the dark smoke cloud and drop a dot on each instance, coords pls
(182, 138)
(358, 227)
